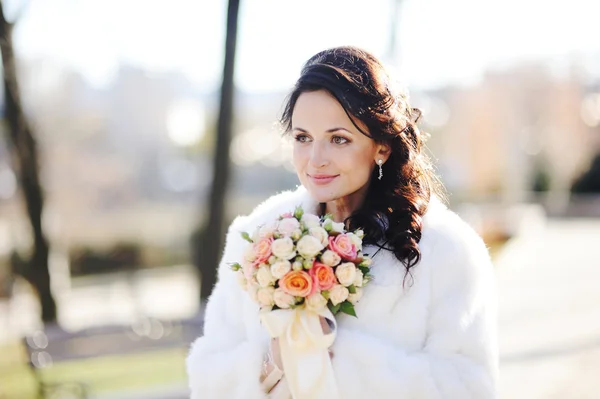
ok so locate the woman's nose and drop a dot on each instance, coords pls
(319, 155)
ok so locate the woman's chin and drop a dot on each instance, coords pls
(322, 194)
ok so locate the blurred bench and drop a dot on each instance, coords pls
(53, 346)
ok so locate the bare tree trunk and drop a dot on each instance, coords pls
(210, 246)
(25, 159)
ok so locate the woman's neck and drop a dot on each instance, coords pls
(342, 208)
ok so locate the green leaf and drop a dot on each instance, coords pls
(352, 289)
(334, 308)
(235, 267)
(325, 294)
(365, 270)
(246, 237)
(348, 308)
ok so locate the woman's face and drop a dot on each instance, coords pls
(333, 159)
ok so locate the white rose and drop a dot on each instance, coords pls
(264, 276)
(283, 248)
(321, 234)
(367, 262)
(309, 246)
(250, 254)
(316, 302)
(310, 220)
(296, 234)
(330, 258)
(354, 298)
(297, 265)
(358, 280)
(253, 291)
(282, 299)
(360, 233)
(355, 240)
(241, 279)
(346, 273)
(280, 268)
(338, 294)
(265, 296)
(287, 226)
(267, 230)
(337, 227)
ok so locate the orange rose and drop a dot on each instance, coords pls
(343, 246)
(323, 276)
(297, 283)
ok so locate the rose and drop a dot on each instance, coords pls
(249, 269)
(338, 294)
(337, 227)
(264, 276)
(321, 234)
(343, 246)
(241, 279)
(297, 265)
(280, 268)
(366, 262)
(355, 240)
(265, 296)
(323, 276)
(309, 246)
(310, 220)
(250, 254)
(316, 302)
(253, 291)
(283, 248)
(297, 283)
(354, 298)
(360, 233)
(330, 258)
(262, 249)
(358, 280)
(267, 230)
(296, 234)
(286, 226)
(346, 273)
(282, 299)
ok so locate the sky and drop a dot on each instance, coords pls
(438, 41)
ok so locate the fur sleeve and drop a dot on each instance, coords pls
(223, 363)
(459, 355)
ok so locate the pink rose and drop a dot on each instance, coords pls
(343, 246)
(297, 283)
(323, 276)
(262, 250)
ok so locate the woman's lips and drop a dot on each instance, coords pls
(322, 179)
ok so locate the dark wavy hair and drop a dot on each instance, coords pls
(391, 215)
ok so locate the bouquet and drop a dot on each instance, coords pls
(301, 268)
(303, 261)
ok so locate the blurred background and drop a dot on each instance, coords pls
(130, 127)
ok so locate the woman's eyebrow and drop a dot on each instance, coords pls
(335, 129)
(332, 130)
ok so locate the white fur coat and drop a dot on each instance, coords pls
(434, 339)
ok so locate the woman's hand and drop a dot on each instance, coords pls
(276, 353)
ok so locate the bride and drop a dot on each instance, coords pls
(426, 325)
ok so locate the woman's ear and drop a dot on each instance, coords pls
(383, 152)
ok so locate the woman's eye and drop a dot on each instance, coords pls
(340, 140)
(301, 138)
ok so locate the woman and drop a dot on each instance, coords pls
(426, 323)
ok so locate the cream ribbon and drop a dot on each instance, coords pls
(304, 351)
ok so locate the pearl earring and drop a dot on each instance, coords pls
(380, 163)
